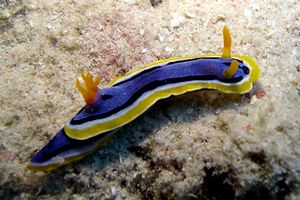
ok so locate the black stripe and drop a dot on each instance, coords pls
(170, 63)
(151, 86)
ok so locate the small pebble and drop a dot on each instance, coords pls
(177, 20)
(114, 191)
(169, 49)
(130, 1)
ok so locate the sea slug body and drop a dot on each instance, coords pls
(129, 96)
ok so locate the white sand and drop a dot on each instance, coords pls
(204, 145)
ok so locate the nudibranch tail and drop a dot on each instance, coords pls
(227, 43)
(231, 70)
(89, 90)
(62, 149)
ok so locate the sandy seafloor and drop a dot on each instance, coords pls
(202, 145)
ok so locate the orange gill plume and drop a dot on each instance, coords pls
(89, 89)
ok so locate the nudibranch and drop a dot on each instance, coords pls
(128, 96)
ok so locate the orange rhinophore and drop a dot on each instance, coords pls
(231, 70)
(227, 43)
